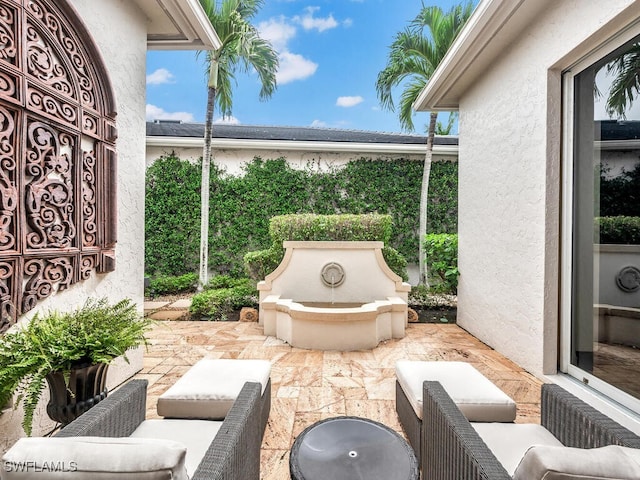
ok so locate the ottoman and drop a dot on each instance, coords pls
(474, 394)
(210, 387)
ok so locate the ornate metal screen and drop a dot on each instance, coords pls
(57, 155)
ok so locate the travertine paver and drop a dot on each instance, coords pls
(149, 306)
(168, 314)
(308, 385)
(183, 303)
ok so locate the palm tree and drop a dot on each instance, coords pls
(448, 128)
(413, 57)
(626, 83)
(242, 48)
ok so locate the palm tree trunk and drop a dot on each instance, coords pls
(424, 193)
(204, 190)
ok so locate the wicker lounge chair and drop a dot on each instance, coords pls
(233, 454)
(453, 449)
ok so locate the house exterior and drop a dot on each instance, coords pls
(531, 80)
(235, 145)
(72, 102)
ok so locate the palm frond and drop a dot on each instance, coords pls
(626, 84)
(408, 97)
(242, 49)
(415, 54)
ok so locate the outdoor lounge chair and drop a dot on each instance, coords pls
(233, 454)
(454, 448)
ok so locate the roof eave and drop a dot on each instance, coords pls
(473, 51)
(178, 25)
(296, 145)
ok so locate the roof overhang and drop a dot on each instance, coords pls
(491, 29)
(290, 145)
(178, 25)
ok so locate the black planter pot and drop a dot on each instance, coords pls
(86, 387)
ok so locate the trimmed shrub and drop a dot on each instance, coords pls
(170, 285)
(311, 227)
(222, 296)
(618, 230)
(261, 263)
(442, 261)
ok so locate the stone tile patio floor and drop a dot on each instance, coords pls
(308, 385)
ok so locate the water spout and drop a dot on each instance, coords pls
(333, 283)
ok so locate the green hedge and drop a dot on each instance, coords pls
(618, 230)
(222, 296)
(442, 262)
(242, 206)
(169, 285)
(619, 194)
(312, 227)
(172, 217)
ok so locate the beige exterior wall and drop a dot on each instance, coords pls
(122, 42)
(510, 184)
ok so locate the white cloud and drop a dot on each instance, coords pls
(157, 113)
(347, 22)
(159, 77)
(349, 101)
(318, 124)
(309, 22)
(277, 31)
(294, 67)
(280, 30)
(230, 120)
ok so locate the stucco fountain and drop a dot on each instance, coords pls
(333, 296)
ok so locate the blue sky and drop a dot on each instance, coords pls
(330, 53)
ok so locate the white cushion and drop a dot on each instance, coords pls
(209, 388)
(563, 463)
(92, 458)
(474, 394)
(195, 435)
(510, 441)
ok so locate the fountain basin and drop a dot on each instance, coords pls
(333, 296)
(334, 327)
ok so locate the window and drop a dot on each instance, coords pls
(602, 324)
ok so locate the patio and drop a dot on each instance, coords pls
(308, 385)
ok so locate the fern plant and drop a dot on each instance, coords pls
(98, 332)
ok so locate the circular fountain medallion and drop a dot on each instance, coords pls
(332, 274)
(628, 279)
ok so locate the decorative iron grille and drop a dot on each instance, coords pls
(57, 155)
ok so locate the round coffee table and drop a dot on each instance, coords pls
(351, 448)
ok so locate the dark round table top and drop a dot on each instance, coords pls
(351, 448)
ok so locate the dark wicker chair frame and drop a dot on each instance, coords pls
(233, 454)
(411, 423)
(452, 450)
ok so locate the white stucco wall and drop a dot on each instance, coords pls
(232, 160)
(119, 30)
(124, 52)
(509, 186)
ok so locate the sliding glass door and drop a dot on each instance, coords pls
(603, 223)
